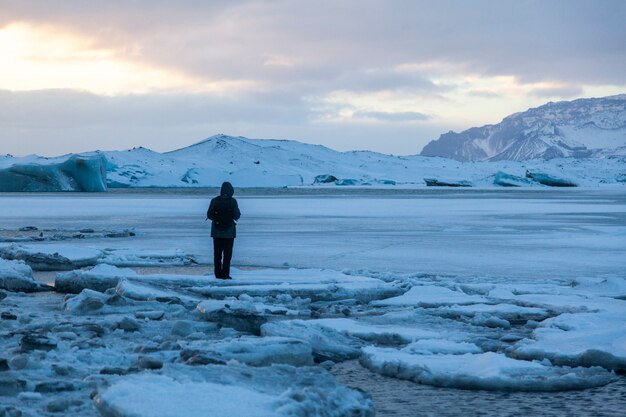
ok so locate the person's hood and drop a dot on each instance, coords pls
(227, 189)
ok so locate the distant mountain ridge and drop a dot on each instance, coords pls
(583, 128)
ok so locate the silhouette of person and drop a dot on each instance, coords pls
(223, 213)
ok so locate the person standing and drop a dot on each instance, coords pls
(223, 213)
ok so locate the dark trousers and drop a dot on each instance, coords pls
(222, 247)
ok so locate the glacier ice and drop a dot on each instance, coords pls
(433, 182)
(550, 180)
(75, 173)
(324, 179)
(508, 180)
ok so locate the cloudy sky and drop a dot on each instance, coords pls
(386, 75)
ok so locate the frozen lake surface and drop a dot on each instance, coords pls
(485, 289)
(517, 234)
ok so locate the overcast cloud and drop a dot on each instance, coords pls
(415, 68)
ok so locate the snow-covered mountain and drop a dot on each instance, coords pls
(580, 128)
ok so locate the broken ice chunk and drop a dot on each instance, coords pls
(581, 339)
(99, 278)
(488, 371)
(17, 276)
(52, 257)
(233, 390)
(430, 296)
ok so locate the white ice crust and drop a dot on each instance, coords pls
(430, 295)
(233, 390)
(17, 276)
(489, 371)
(588, 339)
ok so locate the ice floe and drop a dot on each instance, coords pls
(243, 314)
(103, 276)
(326, 343)
(128, 257)
(99, 278)
(226, 391)
(137, 290)
(52, 257)
(88, 301)
(35, 234)
(122, 328)
(378, 333)
(254, 351)
(608, 287)
(440, 346)
(315, 284)
(17, 276)
(65, 257)
(430, 296)
(581, 339)
(509, 312)
(488, 371)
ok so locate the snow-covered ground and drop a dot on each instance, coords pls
(516, 291)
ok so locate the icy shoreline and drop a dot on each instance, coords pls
(160, 331)
(142, 312)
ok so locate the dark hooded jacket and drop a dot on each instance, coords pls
(226, 193)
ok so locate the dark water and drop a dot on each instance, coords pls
(394, 397)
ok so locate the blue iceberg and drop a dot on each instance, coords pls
(507, 180)
(76, 173)
(549, 180)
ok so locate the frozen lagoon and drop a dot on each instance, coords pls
(507, 234)
(518, 247)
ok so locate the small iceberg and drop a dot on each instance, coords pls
(507, 180)
(76, 173)
(549, 180)
(432, 182)
(324, 179)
